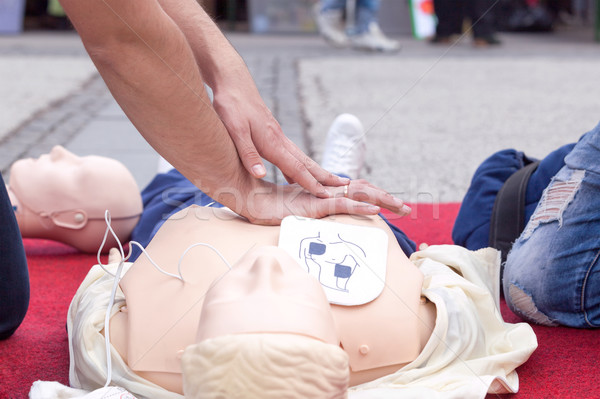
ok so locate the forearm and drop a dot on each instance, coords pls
(148, 66)
(219, 62)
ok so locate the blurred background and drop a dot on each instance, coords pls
(432, 110)
(296, 16)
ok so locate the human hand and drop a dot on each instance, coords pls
(268, 203)
(256, 133)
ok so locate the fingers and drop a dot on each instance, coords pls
(296, 171)
(288, 179)
(361, 198)
(249, 155)
(297, 167)
(341, 205)
(365, 192)
(263, 137)
(272, 202)
(321, 175)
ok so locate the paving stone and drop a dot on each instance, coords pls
(430, 124)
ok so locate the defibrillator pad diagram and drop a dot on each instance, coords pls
(349, 261)
(331, 262)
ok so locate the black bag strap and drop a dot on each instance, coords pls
(508, 214)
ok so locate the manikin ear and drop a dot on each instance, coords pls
(75, 219)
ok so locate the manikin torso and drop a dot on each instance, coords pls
(162, 313)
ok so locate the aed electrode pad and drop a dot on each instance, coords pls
(349, 261)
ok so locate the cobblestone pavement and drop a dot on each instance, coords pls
(432, 113)
(46, 93)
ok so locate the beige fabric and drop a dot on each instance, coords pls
(85, 322)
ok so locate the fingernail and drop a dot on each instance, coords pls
(344, 180)
(259, 170)
(406, 209)
(374, 209)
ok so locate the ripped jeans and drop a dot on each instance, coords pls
(552, 274)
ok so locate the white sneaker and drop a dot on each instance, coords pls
(331, 26)
(345, 147)
(374, 40)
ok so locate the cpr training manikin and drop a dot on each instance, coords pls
(61, 196)
(219, 308)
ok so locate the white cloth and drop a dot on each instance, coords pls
(55, 390)
(85, 321)
(471, 350)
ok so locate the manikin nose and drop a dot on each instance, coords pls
(268, 292)
(59, 152)
(267, 275)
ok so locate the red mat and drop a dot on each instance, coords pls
(564, 365)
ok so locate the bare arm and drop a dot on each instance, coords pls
(149, 68)
(249, 122)
(148, 65)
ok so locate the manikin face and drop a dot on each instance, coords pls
(267, 291)
(62, 181)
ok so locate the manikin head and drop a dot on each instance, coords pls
(63, 197)
(268, 322)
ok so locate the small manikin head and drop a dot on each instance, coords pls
(63, 197)
(268, 323)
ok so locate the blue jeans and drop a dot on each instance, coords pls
(14, 276)
(170, 192)
(552, 274)
(366, 13)
(472, 225)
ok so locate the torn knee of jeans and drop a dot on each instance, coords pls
(523, 304)
(555, 200)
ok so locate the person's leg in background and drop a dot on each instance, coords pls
(327, 5)
(329, 15)
(552, 274)
(363, 33)
(366, 33)
(450, 15)
(366, 14)
(472, 225)
(482, 15)
(14, 276)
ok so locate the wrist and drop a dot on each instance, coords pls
(261, 202)
(226, 73)
(239, 194)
